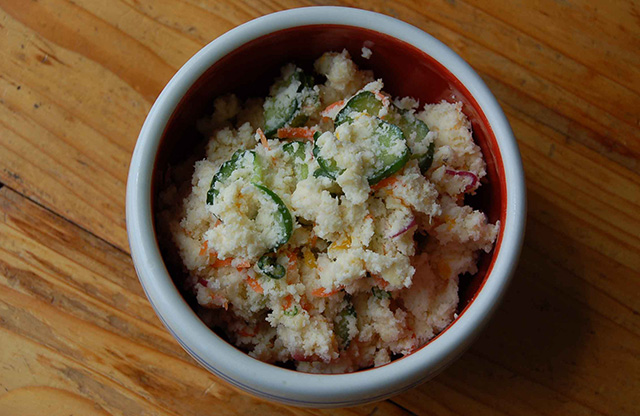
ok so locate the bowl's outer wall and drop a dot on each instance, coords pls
(406, 71)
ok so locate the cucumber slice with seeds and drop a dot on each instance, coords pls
(228, 167)
(417, 130)
(283, 109)
(282, 216)
(363, 102)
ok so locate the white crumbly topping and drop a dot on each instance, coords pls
(353, 270)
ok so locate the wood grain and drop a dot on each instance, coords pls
(76, 81)
(70, 320)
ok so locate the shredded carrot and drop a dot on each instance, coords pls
(245, 264)
(305, 303)
(369, 216)
(293, 258)
(321, 292)
(381, 282)
(263, 138)
(286, 302)
(296, 133)
(218, 222)
(314, 239)
(204, 248)
(384, 183)
(222, 263)
(255, 285)
(332, 107)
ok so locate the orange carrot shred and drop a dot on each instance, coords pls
(296, 133)
(381, 282)
(204, 248)
(286, 302)
(321, 292)
(384, 183)
(255, 285)
(245, 264)
(222, 263)
(263, 138)
(331, 107)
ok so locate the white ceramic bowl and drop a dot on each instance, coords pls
(269, 381)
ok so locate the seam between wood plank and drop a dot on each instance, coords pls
(53, 101)
(602, 201)
(71, 260)
(69, 188)
(73, 4)
(409, 412)
(470, 394)
(537, 74)
(28, 117)
(581, 301)
(98, 328)
(175, 30)
(105, 306)
(65, 112)
(510, 110)
(525, 118)
(534, 381)
(91, 371)
(73, 223)
(603, 221)
(588, 225)
(552, 48)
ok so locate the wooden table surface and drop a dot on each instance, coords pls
(77, 335)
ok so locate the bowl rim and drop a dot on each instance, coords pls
(266, 380)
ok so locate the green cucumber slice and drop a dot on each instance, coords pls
(284, 110)
(282, 215)
(386, 134)
(411, 125)
(227, 169)
(269, 266)
(363, 102)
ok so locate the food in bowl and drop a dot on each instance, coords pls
(327, 227)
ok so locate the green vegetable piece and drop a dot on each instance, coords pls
(427, 160)
(300, 167)
(386, 134)
(341, 325)
(227, 169)
(328, 167)
(321, 173)
(291, 312)
(411, 126)
(280, 110)
(379, 293)
(269, 266)
(282, 214)
(362, 102)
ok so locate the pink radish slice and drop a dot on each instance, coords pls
(474, 178)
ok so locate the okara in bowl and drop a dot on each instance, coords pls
(244, 61)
